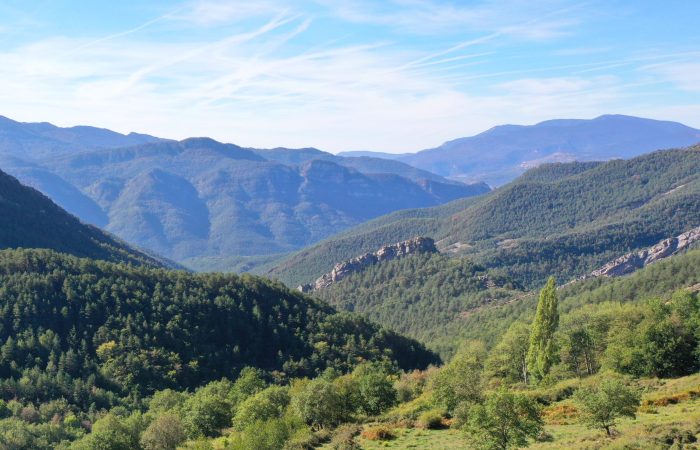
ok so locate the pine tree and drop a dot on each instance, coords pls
(542, 352)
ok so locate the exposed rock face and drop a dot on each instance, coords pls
(634, 261)
(386, 253)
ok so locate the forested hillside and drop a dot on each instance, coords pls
(419, 295)
(561, 219)
(93, 331)
(610, 348)
(29, 219)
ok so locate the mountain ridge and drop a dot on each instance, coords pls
(222, 201)
(503, 152)
(556, 219)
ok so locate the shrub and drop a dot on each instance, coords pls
(166, 432)
(344, 438)
(431, 419)
(561, 414)
(320, 405)
(376, 391)
(505, 420)
(378, 433)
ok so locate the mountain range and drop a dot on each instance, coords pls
(500, 154)
(216, 206)
(562, 219)
(208, 204)
(102, 347)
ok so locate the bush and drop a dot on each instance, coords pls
(305, 439)
(431, 419)
(376, 391)
(378, 433)
(208, 410)
(344, 437)
(460, 415)
(166, 432)
(270, 434)
(505, 420)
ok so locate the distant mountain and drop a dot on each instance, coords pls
(212, 205)
(30, 220)
(364, 164)
(502, 153)
(46, 140)
(360, 153)
(564, 219)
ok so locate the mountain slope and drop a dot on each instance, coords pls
(443, 301)
(562, 219)
(206, 203)
(29, 219)
(365, 164)
(111, 333)
(502, 153)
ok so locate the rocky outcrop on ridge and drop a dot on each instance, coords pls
(631, 262)
(344, 269)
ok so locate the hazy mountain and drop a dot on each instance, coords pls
(502, 153)
(209, 203)
(28, 219)
(564, 219)
(384, 155)
(365, 164)
(38, 140)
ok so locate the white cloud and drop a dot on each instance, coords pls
(213, 12)
(269, 83)
(517, 18)
(685, 75)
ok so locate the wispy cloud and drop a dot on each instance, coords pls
(684, 74)
(213, 12)
(505, 17)
(293, 73)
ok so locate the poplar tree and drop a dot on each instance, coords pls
(542, 352)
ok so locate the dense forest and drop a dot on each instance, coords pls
(97, 335)
(588, 358)
(435, 298)
(419, 295)
(558, 219)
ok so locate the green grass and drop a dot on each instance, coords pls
(650, 430)
(656, 427)
(414, 438)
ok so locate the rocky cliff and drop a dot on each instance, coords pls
(634, 261)
(386, 253)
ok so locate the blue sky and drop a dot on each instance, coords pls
(399, 75)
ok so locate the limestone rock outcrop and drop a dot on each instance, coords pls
(344, 269)
(631, 262)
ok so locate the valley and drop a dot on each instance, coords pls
(349, 225)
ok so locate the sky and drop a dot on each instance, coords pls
(393, 76)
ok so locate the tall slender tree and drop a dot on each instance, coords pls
(542, 352)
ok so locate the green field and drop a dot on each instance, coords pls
(668, 419)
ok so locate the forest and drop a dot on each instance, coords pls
(110, 356)
(485, 346)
